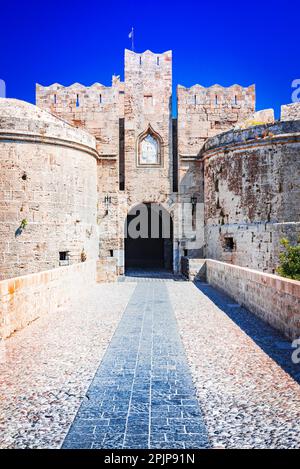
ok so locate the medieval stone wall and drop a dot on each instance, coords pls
(48, 182)
(244, 180)
(205, 112)
(252, 194)
(98, 109)
(94, 108)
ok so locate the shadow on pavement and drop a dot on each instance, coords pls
(159, 274)
(271, 341)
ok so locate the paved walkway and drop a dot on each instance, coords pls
(142, 395)
(247, 384)
(149, 362)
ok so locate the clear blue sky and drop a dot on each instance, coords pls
(213, 42)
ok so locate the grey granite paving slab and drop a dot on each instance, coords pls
(142, 395)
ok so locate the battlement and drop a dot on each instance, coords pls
(149, 58)
(205, 112)
(58, 98)
(217, 96)
(148, 68)
(95, 108)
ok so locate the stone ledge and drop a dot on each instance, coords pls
(279, 132)
(36, 138)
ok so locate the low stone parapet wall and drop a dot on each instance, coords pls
(274, 299)
(107, 270)
(193, 269)
(24, 299)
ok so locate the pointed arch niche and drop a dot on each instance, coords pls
(149, 148)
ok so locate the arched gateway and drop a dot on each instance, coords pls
(149, 237)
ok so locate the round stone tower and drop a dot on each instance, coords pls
(48, 191)
(251, 190)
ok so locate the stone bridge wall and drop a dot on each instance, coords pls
(24, 299)
(274, 299)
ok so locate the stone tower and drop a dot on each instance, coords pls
(148, 125)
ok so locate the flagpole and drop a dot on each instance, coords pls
(132, 43)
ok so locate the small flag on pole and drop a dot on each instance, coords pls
(131, 36)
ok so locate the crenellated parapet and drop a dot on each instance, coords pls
(95, 108)
(204, 112)
(148, 82)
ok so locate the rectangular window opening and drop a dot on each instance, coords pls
(111, 253)
(157, 60)
(54, 99)
(100, 98)
(229, 244)
(64, 258)
(216, 99)
(77, 100)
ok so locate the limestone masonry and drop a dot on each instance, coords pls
(75, 167)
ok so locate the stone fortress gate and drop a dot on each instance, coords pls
(230, 197)
(86, 161)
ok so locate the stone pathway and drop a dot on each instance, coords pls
(246, 382)
(142, 395)
(149, 363)
(46, 368)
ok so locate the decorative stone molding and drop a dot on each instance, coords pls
(159, 149)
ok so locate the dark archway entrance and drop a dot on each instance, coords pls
(149, 238)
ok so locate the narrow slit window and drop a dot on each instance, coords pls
(100, 98)
(54, 99)
(216, 99)
(235, 100)
(140, 60)
(195, 99)
(157, 60)
(77, 100)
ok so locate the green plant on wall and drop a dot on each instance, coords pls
(289, 265)
(22, 226)
(23, 223)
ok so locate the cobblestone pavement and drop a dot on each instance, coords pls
(142, 395)
(246, 382)
(131, 359)
(46, 368)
